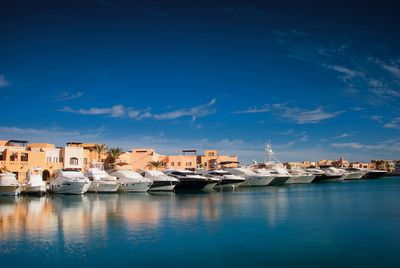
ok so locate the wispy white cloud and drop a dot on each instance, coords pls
(66, 96)
(3, 81)
(392, 145)
(294, 114)
(121, 111)
(194, 112)
(344, 135)
(348, 72)
(395, 123)
(393, 68)
(357, 108)
(114, 111)
(379, 77)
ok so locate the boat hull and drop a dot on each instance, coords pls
(354, 176)
(300, 179)
(103, 187)
(191, 185)
(34, 189)
(11, 190)
(163, 185)
(374, 175)
(77, 188)
(134, 187)
(257, 181)
(227, 183)
(278, 181)
(325, 178)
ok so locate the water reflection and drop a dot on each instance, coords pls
(75, 219)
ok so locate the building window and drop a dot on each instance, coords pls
(2, 158)
(172, 164)
(24, 157)
(73, 161)
(188, 164)
(210, 154)
(85, 160)
(178, 164)
(14, 157)
(48, 159)
(55, 159)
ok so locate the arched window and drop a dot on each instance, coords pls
(73, 161)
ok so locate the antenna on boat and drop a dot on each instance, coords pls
(269, 154)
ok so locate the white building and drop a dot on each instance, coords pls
(72, 155)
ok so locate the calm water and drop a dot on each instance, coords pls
(346, 224)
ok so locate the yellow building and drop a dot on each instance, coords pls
(143, 157)
(17, 156)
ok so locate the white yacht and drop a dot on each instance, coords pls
(353, 174)
(188, 180)
(101, 182)
(273, 167)
(161, 181)
(330, 174)
(280, 174)
(69, 181)
(9, 184)
(226, 179)
(299, 176)
(34, 182)
(131, 181)
(252, 178)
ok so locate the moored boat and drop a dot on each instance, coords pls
(300, 176)
(9, 184)
(35, 184)
(354, 174)
(226, 179)
(161, 181)
(252, 178)
(69, 181)
(329, 174)
(101, 182)
(130, 181)
(374, 174)
(189, 180)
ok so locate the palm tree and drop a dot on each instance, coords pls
(100, 149)
(156, 164)
(113, 154)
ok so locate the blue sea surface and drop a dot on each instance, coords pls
(342, 224)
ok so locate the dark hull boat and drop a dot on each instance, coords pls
(374, 174)
(184, 185)
(279, 181)
(327, 178)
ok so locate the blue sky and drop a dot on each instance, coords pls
(319, 80)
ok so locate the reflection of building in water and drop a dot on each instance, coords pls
(23, 216)
(139, 211)
(73, 213)
(75, 219)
